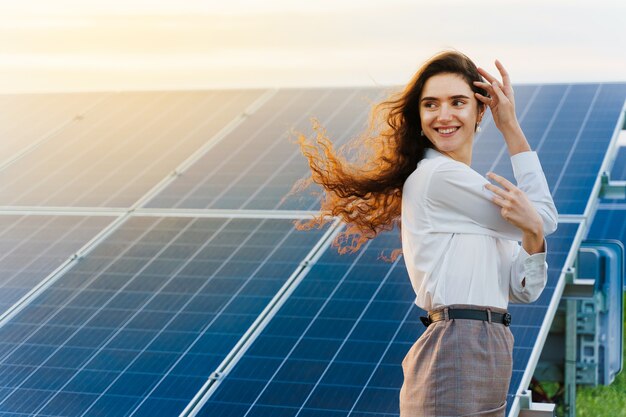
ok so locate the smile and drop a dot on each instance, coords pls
(447, 130)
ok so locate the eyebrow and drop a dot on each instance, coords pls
(451, 97)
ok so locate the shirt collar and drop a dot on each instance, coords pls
(432, 153)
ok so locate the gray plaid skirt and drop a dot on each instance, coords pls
(458, 367)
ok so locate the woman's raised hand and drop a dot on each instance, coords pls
(502, 105)
(501, 102)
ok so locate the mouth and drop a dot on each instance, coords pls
(447, 130)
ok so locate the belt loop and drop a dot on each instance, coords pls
(489, 315)
(445, 313)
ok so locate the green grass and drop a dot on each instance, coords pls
(603, 401)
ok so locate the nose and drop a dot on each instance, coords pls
(444, 113)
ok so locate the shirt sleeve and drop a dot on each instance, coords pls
(460, 203)
(529, 275)
(532, 181)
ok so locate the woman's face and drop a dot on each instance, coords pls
(449, 113)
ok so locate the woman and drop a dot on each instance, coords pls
(460, 233)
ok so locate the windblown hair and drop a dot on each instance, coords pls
(366, 193)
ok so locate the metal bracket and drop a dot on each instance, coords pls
(577, 287)
(586, 329)
(611, 189)
(530, 409)
(216, 376)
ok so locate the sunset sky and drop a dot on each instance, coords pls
(71, 45)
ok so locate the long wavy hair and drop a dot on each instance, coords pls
(366, 193)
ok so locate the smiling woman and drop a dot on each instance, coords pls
(450, 119)
(460, 233)
(367, 193)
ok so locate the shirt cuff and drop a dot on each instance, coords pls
(525, 162)
(534, 271)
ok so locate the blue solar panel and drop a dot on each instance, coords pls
(32, 247)
(609, 221)
(609, 224)
(335, 347)
(619, 165)
(570, 125)
(119, 150)
(26, 119)
(256, 165)
(137, 326)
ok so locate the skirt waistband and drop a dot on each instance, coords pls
(467, 311)
(470, 307)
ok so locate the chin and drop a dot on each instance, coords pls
(448, 147)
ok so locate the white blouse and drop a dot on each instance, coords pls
(457, 247)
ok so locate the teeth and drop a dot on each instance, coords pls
(448, 130)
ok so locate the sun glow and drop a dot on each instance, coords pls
(70, 45)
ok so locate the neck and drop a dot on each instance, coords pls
(465, 159)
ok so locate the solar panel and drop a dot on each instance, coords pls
(609, 220)
(571, 127)
(619, 165)
(120, 149)
(32, 247)
(137, 326)
(256, 165)
(26, 119)
(609, 224)
(335, 347)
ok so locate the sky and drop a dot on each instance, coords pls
(113, 45)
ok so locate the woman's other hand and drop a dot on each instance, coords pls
(517, 209)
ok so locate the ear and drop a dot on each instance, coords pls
(481, 113)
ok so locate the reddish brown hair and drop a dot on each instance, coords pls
(367, 193)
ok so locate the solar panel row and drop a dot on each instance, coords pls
(139, 324)
(336, 346)
(120, 149)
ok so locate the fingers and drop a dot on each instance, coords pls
(502, 197)
(486, 100)
(508, 185)
(497, 92)
(485, 86)
(493, 89)
(506, 80)
(499, 192)
(487, 76)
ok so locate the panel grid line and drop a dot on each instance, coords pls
(356, 322)
(326, 301)
(222, 309)
(180, 170)
(49, 135)
(146, 145)
(219, 166)
(283, 164)
(65, 304)
(78, 155)
(555, 188)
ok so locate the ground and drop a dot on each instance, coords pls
(601, 401)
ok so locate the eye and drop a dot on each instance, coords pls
(429, 105)
(458, 103)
